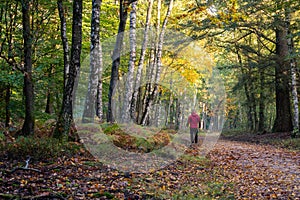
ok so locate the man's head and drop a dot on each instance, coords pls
(193, 112)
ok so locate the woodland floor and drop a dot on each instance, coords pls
(234, 169)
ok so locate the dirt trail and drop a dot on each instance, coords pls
(260, 171)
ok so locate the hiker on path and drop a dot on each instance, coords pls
(193, 122)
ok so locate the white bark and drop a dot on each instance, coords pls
(158, 62)
(90, 101)
(141, 60)
(131, 66)
(293, 75)
(64, 39)
(99, 108)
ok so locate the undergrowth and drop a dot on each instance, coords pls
(38, 148)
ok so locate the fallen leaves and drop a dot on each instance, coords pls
(82, 177)
(234, 170)
(259, 171)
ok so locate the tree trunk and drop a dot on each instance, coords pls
(7, 102)
(158, 64)
(141, 63)
(64, 38)
(283, 122)
(49, 105)
(168, 114)
(116, 58)
(65, 120)
(177, 114)
(253, 104)
(28, 126)
(91, 96)
(151, 69)
(293, 68)
(99, 104)
(130, 73)
(49, 98)
(261, 123)
(250, 121)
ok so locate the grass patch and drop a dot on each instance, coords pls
(137, 138)
(290, 143)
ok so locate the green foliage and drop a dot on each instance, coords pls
(37, 148)
(109, 128)
(42, 118)
(290, 143)
(104, 194)
(137, 138)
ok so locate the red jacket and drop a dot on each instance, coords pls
(194, 120)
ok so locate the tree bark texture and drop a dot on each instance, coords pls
(261, 123)
(95, 65)
(131, 66)
(158, 64)
(283, 120)
(66, 120)
(28, 126)
(293, 68)
(64, 39)
(116, 58)
(137, 83)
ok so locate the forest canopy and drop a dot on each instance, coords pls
(150, 62)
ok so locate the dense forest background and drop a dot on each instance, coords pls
(48, 47)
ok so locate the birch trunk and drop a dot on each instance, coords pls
(90, 101)
(293, 68)
(158, 64)
(141, 62)
(131, 66)
(150, 72)
(295, 97)
(99, 102)
(64, 39)
(116, 58)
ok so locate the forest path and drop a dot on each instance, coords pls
(259, 171)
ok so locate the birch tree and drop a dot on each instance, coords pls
(293, 68)
(99, 102)
(65, 119)
(123, 12)
(64, 39)
(158, 65)
(131, 66)
(141, 62)
(95, 64)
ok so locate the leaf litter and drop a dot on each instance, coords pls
(232, 170)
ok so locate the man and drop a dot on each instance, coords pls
(193, 122)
